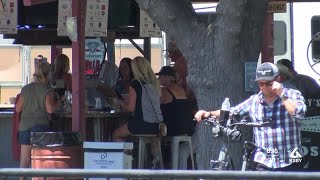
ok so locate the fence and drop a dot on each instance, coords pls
(10, 173)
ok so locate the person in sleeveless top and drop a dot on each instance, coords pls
(37, 100)
(125, 77)
(143, 75)
(61, 72)
(176, 108)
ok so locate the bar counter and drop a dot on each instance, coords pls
(103, 122)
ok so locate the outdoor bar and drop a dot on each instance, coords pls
(88, 114)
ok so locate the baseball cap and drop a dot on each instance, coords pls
(287, 63)
(266, 72)
(167, 70)
(284, 70)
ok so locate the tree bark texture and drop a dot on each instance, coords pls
(215, 55)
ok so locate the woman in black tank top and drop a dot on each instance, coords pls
(176, 108)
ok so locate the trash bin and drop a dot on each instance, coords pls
(107, 155)
(56, 150)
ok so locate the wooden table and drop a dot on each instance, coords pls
(99, 117)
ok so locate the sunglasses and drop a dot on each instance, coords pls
(268, 83)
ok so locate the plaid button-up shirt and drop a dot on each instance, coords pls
(276, 141)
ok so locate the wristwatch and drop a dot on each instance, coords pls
(284, 96)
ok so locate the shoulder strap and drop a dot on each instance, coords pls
(173, 97)
(150, 100)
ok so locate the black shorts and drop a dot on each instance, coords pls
(142, 127)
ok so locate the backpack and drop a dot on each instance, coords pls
(150, 101)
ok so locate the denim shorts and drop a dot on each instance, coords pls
(24, 136)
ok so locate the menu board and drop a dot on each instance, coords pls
(147, 27)
(8, 16)
(64, 11)
(97, 18)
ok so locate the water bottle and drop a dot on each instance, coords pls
(98, 104)
(224, 111)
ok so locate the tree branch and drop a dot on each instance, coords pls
(178, 19)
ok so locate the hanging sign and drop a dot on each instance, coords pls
(72, 28)
(147, 27)
(97, 18)
(8, 16)
(277, 7)
(95, 51)
(64, 11)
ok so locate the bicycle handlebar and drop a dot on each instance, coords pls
(230, 129)
(243, 122)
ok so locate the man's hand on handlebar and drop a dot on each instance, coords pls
(202, 114)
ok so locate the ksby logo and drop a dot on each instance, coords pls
(295, 155)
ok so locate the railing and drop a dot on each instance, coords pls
(9, 173)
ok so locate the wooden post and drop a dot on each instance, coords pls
(147, 48)
(55, 51)
(267, 39)
(78, 69)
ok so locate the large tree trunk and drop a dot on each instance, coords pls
(216, 56)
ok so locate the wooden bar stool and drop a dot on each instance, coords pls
(175, 148)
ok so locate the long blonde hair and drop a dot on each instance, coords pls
(42, 72)
(61, 66)
(142, 71)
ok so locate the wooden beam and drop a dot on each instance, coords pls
(35, 2)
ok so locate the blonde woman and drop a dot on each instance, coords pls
(61, 71)
(36, 101)
(145, 119)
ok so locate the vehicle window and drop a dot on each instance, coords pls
(315, 28)
(280, 38)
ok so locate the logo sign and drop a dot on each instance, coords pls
(295, 156)
(94, 55)
(103, 155)
(277, 7)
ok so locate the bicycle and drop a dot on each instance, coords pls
(230, 129)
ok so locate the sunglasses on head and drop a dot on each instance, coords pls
(268, 83)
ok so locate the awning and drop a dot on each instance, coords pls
(34, 2)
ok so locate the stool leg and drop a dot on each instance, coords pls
(191, 154)
(141, 153)
(160, 153)
(174, 153)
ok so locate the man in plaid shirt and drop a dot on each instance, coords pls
(279, 143)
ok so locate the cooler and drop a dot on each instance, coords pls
(107, 155)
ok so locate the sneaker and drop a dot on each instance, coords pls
(162, 129)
